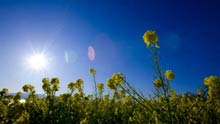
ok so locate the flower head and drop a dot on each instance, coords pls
(28, 87)
(100, 86)
(45, 80)
(127, 100)
(55, 81)
(169, 74)
(158, 83)
(72, 85)
(110, 84)
(213, 85)
(4, 90)
(46, 87)
(118, 78)
(92, 71)
(150, 36)
(79, 83)
(210, 80)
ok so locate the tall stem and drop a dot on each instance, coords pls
(165, 87)
(95, 86)
(96, 102)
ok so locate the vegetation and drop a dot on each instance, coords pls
(122, 105)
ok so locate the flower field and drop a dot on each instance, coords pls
(123, 104)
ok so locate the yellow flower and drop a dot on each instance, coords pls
(25, 88)
(79, 83)
(127, 100)
(116, 95)
(71, 85)
(110, 84)
(46, 87)
(118, 78)
(169, 74)
(100, 86)
(158, 83)
(28, 87)
(4, 90)
(210, 80)
(31, 87)
(92, 71)
(55, 81)
(150, 36)
(46, 80)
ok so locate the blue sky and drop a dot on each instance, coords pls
(188, 31)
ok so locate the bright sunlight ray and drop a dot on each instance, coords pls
(37, 61)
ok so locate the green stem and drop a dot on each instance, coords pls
(95, 86)
(165, 87)
(96, 103)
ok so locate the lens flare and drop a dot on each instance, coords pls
(91, 53)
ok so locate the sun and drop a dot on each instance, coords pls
(38, 61)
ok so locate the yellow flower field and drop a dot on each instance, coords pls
(122, 104)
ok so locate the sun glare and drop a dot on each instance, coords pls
(38, 61)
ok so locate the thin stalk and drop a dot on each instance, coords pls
(165, 89)
(134, 91)
(96, 103)
(137, 100)
(94, 80)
